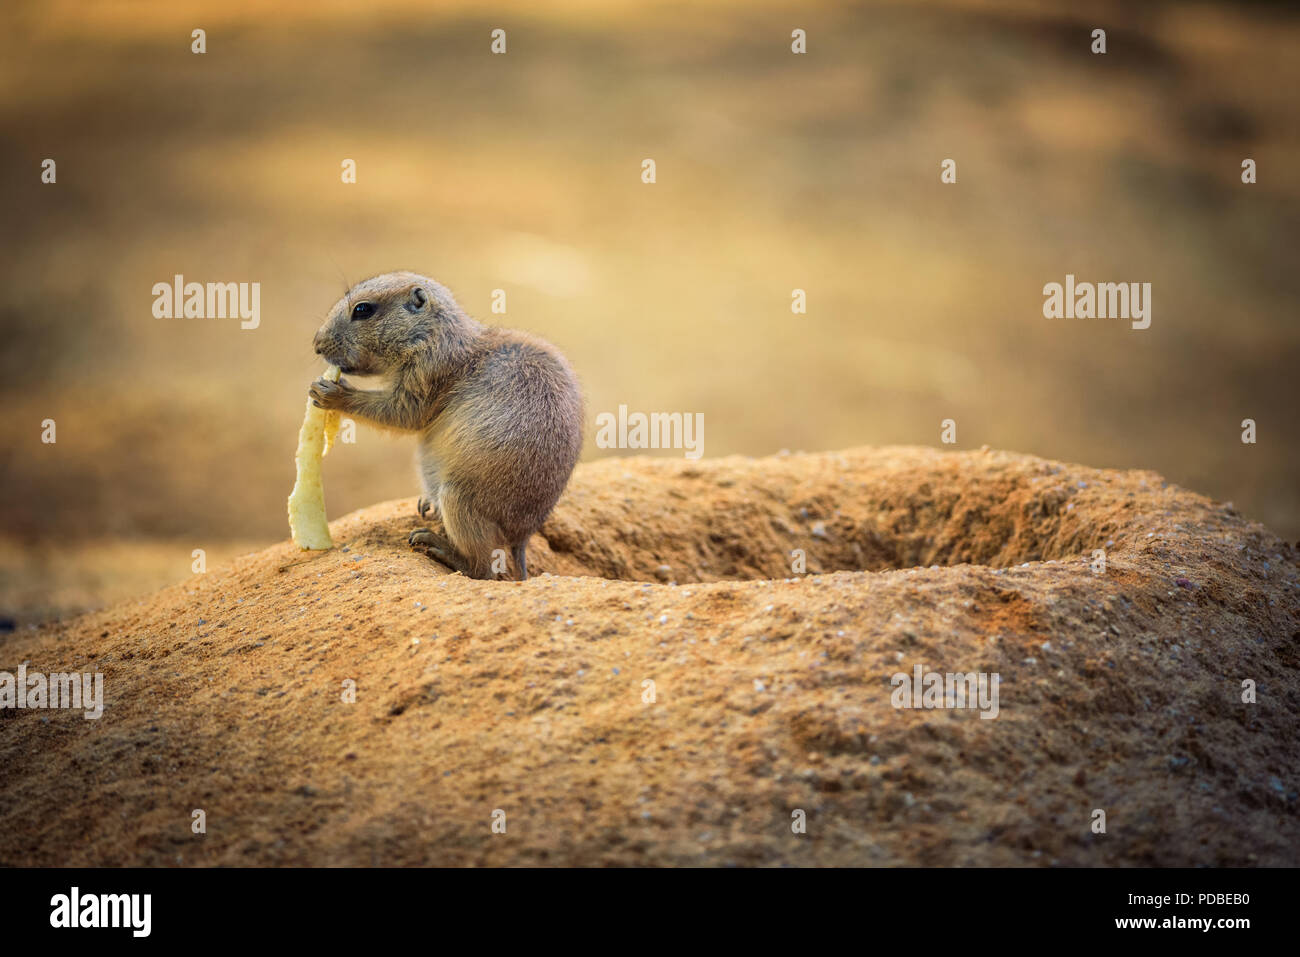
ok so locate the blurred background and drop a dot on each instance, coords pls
(522, 172)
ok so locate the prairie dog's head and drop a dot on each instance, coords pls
(380, 322)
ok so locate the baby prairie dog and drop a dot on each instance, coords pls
(499, 414)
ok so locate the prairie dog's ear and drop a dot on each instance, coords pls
(417, 297)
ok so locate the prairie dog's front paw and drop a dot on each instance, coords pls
(329, 395)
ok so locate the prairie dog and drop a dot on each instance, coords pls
(499, 413)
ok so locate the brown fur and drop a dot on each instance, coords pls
(499, 413)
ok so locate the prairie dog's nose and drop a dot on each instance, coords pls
(317, 344)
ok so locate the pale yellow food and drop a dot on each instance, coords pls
(307, 500)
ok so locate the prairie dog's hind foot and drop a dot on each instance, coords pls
(430, 543)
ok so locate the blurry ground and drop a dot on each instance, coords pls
(1120, 692)
(521, 171)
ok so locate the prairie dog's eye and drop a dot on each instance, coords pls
(362, 310)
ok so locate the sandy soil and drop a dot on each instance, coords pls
(1120, 691)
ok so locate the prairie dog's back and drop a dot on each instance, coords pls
(512, 422)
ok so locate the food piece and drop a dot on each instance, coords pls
(307, 500)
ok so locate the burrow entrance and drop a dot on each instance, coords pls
(739, 519)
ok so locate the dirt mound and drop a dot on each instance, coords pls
(667, 690)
